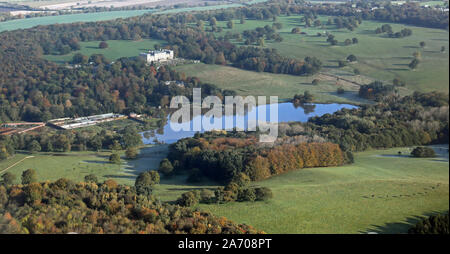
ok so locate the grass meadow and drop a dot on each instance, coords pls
(379, 57)
(268, 84)
(100, 16)
(381, 192)
(69, 18)
(75, 165)
(116, 49)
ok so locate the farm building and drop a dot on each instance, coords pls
(68, 124)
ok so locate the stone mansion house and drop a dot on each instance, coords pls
(157, 55)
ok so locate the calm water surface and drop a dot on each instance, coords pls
(287, 112)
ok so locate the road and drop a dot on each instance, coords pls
(4, 170)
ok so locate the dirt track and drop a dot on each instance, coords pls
(4, 170)
(341, 80)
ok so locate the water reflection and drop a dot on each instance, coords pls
(287, 112)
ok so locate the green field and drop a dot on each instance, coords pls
(381, 192)
(268, 84)
(379, 57)
(70, 18)
(100, 16)
(116, 49)
(76, 165)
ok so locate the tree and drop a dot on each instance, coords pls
(261, 41)
(423, 152)
(277, 26)
(414, 63)
(29, 176)
(4, 154)
(422, 44)
(295, 30)
(241, 179)
(131, 153)
(34, 147)
(386, 28)
(435, 224)
(398, 82)
(342, 63)
(114, 158)
(263, 193)
(230, 24)
(442, 49)
(115, 146)
(165, 167)
(103, 45)
(213, 22)
(111, 184)
(61, 143)
(131, 137)
(315, 82)
(91, 178)
(347, 42)
(33, 193)
(96, 143)
(8, 179)
(351, 58)
(79, 58)
(308, 97)
(220, 59)
(355, 40)
(145, 181)
(207, 196)
(246, 194)
(340, 90)
(356, 71)
(201, 25)
(189, 199)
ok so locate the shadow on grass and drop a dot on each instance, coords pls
(439, 39)
(432, 51)
(294, 21)
(366, 31)
(331, 66)
(351, 96)
(96, 162)
(119, 176)
(400, 64)
(398, 227)
(148, 159)
(402, 57)
(411, 47)
(190, 189)
(396, 69)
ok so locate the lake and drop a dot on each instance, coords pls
(287, 112)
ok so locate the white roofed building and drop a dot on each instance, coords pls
(157, 55)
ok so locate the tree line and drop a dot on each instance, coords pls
(222, 157)
(92, 207)
(418, 119)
